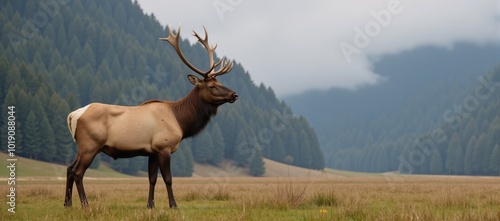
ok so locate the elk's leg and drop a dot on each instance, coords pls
(79, 170)
(153, 176)
(69, 183)
(164, 160)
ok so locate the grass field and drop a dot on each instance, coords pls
(348, 198)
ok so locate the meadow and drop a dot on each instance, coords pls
(243, 198)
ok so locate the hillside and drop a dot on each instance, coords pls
(28, 169)
(109, 52)
(370, 128)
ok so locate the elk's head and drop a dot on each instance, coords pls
(211, 91)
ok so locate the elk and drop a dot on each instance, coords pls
(155, 128)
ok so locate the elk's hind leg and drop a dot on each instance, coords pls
(85, 157)
(69, 183)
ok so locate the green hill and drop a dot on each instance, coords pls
(26, 168)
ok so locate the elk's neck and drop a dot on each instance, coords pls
(192, 113)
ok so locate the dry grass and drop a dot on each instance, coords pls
(411, 198)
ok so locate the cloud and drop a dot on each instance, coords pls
(296, 46)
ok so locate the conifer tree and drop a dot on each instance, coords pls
(32, 137)
(178, 163)
(188, 163)
(436, 163)
(469, 158)
(458, 162)
(277, 149)
(256, 166)
(304, 152)
(480, 165)
(382, 163)
(451, 154)
(47, 140)
(96, 163)
(203, 148)
(495, 160)
(470, 130)
(242, 151)
(218, 145)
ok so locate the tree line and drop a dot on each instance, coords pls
(465, 142)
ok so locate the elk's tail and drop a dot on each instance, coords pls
(73, 120)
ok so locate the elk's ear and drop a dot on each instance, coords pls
(194, 80)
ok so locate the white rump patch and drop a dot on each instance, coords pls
(73, 119)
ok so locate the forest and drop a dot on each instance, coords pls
(437, 111)
(57, 56)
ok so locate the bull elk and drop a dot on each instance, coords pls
(154, 129)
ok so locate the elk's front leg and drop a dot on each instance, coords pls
(164, 160)
(153, 175)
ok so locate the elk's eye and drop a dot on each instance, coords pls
(212, 87)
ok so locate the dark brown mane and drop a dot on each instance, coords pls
(192, 113)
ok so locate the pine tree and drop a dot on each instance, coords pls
(346, 163)
(480, 165)
(32, 137)
(458, 165)
(382, 163)
(88, 54)
(277, 150)
(493, 136)
(134, 164)
(469, 159)
(242, 150)
(495, 160)
(470, 130)
(305, 156)
(451, 154)
(96, 163)
(436, 163)
(256, 166)
(65, 146)
(47, 140)
(188, 163)
(178, 162)
(218, 145)
(203, 147)
(120, 164)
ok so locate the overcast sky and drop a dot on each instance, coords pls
(295, 46)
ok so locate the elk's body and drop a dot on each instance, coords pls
(138, 130)
(154, 128)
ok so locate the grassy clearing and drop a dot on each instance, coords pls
(411, 198)
(33, 168)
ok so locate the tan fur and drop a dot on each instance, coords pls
(117, 129)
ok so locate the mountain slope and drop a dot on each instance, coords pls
(368, 129)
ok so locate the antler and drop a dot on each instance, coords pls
(210, 73)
